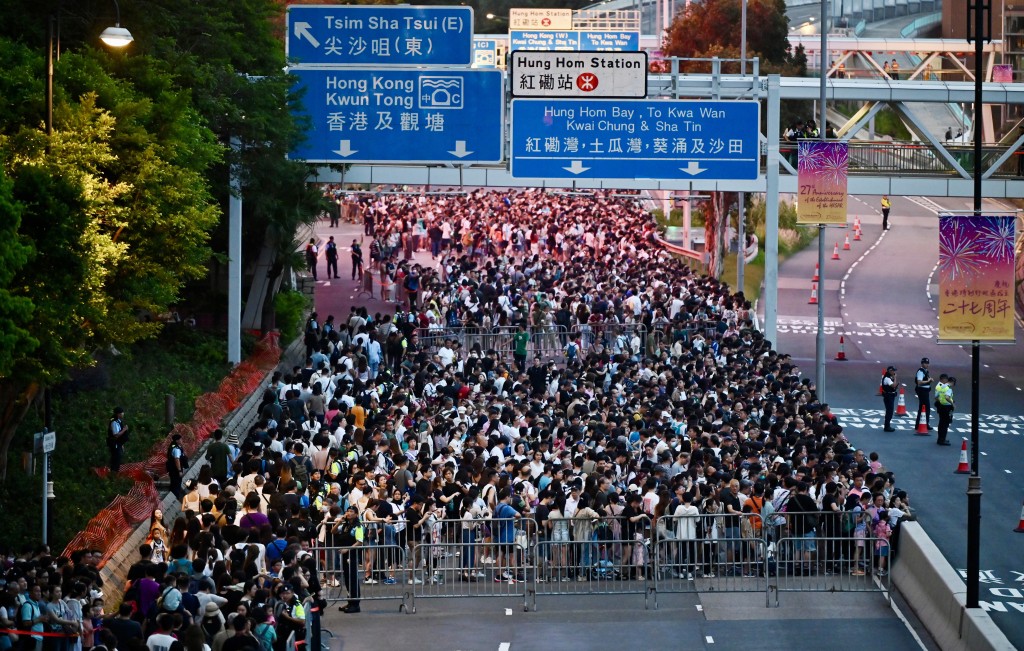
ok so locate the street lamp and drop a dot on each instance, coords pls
(115, 36)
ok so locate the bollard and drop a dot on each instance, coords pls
(169, 410)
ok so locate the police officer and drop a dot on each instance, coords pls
(944, 405)
(117, 436)
(889, 396)
(350, 533)
(923, 389)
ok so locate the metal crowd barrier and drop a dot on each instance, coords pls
(341, 568)
(830, 564)
(610, 556)
(710, 553)
(599, 558)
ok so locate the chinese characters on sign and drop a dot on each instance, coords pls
(389, 115)
(376, 35)
(821, 175)
(976, 271)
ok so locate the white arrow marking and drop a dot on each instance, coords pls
(693, 168)
(576, 167)
(302, 31)
(460, 149)
(344, 149)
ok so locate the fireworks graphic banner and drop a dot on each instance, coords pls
(821, 174)
(976, 291)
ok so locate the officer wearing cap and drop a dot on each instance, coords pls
(923, 389)
(889, 396)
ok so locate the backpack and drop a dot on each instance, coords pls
(772, 511)
(300, 470)
(262, 632)
(310, 254)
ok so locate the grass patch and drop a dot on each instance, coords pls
(182, 362)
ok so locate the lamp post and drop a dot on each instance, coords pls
(116, 37)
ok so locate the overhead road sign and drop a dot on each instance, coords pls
(635, 139)
(372, 35)
(387, 115)
(574, 40)
(555, 19)
(578, 74)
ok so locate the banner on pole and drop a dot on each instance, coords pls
(976, 267)
(822, 177)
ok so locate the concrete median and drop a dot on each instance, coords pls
(937, 595)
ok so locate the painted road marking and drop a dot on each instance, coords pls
(1007, 424)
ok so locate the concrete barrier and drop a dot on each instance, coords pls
(937, 595)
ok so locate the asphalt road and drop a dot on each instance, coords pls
(880, 297)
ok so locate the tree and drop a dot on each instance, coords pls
(711, 28)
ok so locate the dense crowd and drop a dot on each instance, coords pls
(405, 429)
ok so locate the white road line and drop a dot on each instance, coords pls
(1008, 472)
(504, 646)
(508, 612)
(700, 608)
(913, 633)
(709, 639)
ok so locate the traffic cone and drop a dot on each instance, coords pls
(856, 223)
(816, 270)
(841, 355)
(901, 404)
(964, 469)
(922, 423)
(814, 295)
(1020, 526)
(835, 252)
(881, 386)
(856, 233)
(846, 243)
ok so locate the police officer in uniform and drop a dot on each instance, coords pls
(944, 405)
(117, 436)
(349, 532)
(889, 396)
(923, 389)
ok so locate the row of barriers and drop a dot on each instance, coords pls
(606, 556)
(549, 342)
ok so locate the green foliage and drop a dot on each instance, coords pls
(181, 362)
(15, 253)
(289, 308)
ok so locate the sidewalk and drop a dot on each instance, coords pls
(336, 296)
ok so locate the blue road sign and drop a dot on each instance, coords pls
(639, 139)
(389, 115)
(485, 53)
(370, 35)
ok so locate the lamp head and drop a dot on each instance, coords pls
(116, 36)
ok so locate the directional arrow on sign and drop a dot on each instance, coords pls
(693, 168)
(460, 149)
(345, 149)
(576, 167)
(302, 31)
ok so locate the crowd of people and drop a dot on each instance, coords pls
(393, 434)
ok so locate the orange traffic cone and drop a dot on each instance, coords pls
(814, 295)
(835, 252)
(901, 404)
(856, 223)
(962, 468)
(841, 355)
(856, 233)
(1020, 526)
(816, 270)
(922, 423)
(846, 243)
